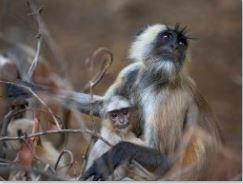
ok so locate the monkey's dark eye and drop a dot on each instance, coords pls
(22, 106)
(113, 115)
(182, 42)
(125, 111)
(165, 36)
(26, 104)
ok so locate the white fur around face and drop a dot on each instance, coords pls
(165, 66)
(3, 61)
(144, 42)
(117, 103)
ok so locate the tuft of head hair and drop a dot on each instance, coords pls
(117, 103)
(143, 43)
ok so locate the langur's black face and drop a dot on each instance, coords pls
(171, 45)
(161, 48)
(120, 118)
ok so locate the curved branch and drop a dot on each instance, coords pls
(107, 56)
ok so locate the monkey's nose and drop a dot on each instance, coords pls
(173, 46)
(122, 122)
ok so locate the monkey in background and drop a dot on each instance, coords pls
(177, 123)
(14, 65)
(30, 153)
(116, 127)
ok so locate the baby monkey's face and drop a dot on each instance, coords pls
(120, 117)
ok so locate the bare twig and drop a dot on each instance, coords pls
(107, 56)
(38, 134)
(21, 52)
(37, 97)
(48, 38)
(35, 61)
(69, 153)
(36, 14)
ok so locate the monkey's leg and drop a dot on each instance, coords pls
(124, 152)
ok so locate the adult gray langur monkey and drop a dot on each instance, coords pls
(176, 120)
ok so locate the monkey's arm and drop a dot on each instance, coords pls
(85, 103)
(124, 152)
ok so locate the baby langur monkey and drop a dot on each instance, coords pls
(116, 127)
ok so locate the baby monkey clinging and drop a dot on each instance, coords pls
(116, 127)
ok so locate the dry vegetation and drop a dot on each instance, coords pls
(65, 60)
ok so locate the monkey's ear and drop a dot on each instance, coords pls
(142, 29)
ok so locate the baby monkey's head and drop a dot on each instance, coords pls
(118, 111)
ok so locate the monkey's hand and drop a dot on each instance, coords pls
(99, 170)
(123, 153)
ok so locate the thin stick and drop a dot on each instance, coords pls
(91, 84)
(37, 97)
(36, 13)
(49, 40)
(38, 134)
(69, 153)
(35, 61)
(108, 59)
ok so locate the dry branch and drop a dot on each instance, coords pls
(107, 56)
(69, 153)
(48, 38)
(62, 131)
(28, 89)
(36, 14)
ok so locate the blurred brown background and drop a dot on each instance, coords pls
(80, 26)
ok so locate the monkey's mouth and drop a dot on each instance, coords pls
(122, 126)
(169, 56)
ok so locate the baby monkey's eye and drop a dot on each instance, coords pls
(113, 115)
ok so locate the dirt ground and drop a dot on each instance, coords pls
(79, 27)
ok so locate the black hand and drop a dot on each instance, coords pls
(124, 152)
(99, 170)
(105, 165)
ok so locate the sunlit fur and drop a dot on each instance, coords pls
(143, 43)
